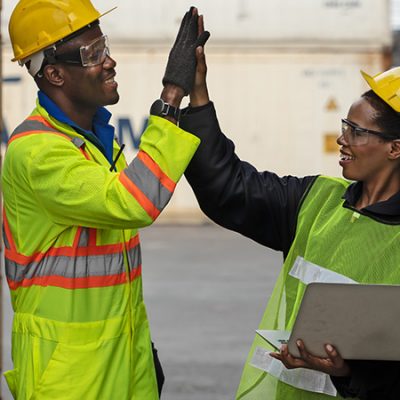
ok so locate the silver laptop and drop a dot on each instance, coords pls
(361, 321)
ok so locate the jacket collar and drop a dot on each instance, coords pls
(388, 208)
(103, 133)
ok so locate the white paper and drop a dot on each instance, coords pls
(301, 378)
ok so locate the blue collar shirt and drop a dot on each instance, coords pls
(103, 133)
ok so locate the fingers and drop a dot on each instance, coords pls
(332, 365)
(313, 362)
(201, 60)
(183, 23)
(334, 356)
(340, 365)
(202, 39)
(304, 354)
(287, 359)
(200, 25)
(199, 94)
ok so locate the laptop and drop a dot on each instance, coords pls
(361, 321)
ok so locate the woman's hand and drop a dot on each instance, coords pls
(333, 364)
(199, 94)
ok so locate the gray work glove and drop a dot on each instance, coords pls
(181, 65)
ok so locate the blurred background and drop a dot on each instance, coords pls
(282, 73)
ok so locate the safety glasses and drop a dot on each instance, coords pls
(89, 55)
(354, 135)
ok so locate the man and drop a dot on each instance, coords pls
(72, 207)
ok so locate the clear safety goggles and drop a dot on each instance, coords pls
(354, 135)
(88, 55)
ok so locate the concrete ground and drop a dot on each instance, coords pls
(205, 290)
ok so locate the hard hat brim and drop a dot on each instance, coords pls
(369, 79)
(107, 12)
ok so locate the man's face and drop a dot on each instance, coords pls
(87, 88)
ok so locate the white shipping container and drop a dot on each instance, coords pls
(362, 22)
(281, 108)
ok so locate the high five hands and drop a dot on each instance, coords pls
(182, 61)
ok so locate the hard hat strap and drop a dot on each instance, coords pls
(35, 62)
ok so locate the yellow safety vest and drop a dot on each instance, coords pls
(332, 243)
(73, 261)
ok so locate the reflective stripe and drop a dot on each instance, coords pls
(107, 266)
(308, 272)
(78, 142)
(148, 184)
(168, 183)
(37, 125)
(86, 237)
(145, 203)
(6, 243)
(69, 251)
(84, 262)
(301, 378)
(78, 283)
(33, 124)
(81, 238)
(82, 265)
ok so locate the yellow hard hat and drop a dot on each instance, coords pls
(387, 86)
(36, 24)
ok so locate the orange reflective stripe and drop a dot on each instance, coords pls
(146, 204)
(19, 135)
(77, 237)
(92, 270)
(135, 273)
(77, 283)
(26, 129)
(68, 251)
(40, 119)
(92, 237)
(156, 170)
(84, 153)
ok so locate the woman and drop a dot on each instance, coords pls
(325, 222)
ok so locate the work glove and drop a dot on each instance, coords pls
(181, 65)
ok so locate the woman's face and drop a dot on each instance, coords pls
(366, 162)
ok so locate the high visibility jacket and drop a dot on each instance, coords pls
(331, 244)
(73, 261)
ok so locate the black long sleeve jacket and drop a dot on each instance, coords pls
(264, 207)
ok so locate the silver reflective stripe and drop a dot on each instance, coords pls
(134, 257)
(84, 238)
(301, 378)
(73, 267)
(32, 125)
(148, 183)
(308, 272)
(6, 242)
(78, 142)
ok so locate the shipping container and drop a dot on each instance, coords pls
(363, 22)
(281, 74)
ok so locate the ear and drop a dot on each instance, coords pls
(54, 74)
(394, 151)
